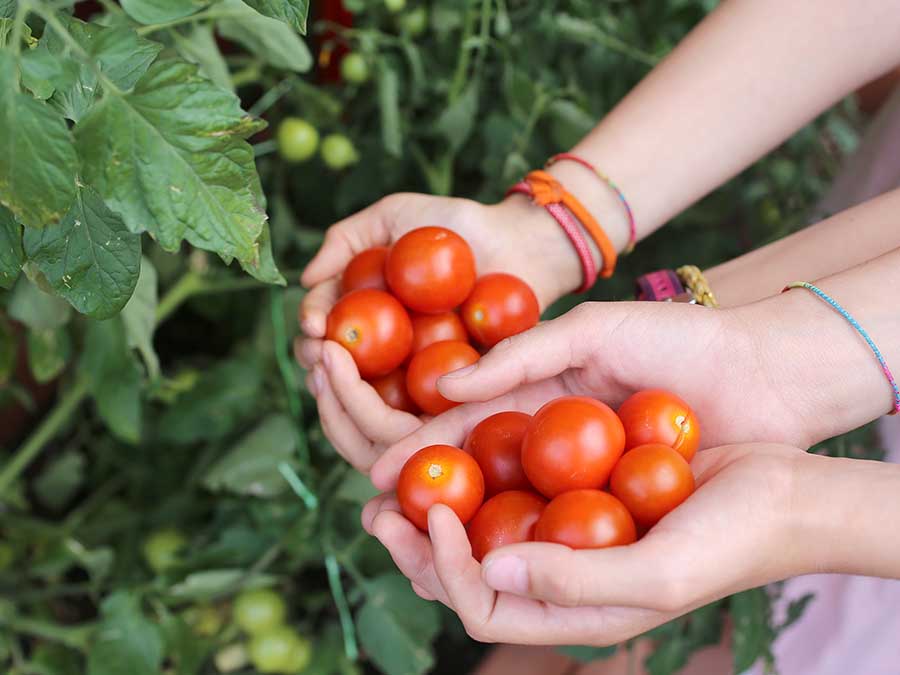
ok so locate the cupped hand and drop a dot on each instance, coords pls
(716, 360)
(513, 237)
(737, 531)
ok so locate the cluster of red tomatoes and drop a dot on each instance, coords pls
(398, 315)
(609, 477)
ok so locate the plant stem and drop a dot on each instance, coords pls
(75, 637)
(18, 25)
(462, 63)
(340, 600)
(46, 431)
(184, 288)
(199, 16)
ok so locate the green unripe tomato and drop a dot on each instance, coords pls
(230, 658)
(280, 650)
(395, 5)
(259, 611)
(162, 548)
(204, 619)
(338, 152)
(354, 68)
(414, 22)
(297, 139)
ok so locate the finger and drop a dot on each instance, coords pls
(307, 352)
(346, 238)
(372, 416)
(411, 551)
(313, 311)
(537, 354)
(422, 592)
(349, 442)
(642, 575)
(384, 502)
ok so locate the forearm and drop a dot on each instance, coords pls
(744, 80)
(838, 243)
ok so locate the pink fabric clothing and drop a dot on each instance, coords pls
(853, 625)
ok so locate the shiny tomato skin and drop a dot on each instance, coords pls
(586, 519)
(374, 328)
(439, 474)
(651, 480)
(658, 416)
(431, 270)
(496, 444)
(504, 519)
(392, 390)
(500, 305)
(572, 443)
(432, 363)
(365, 270)
(431, 328)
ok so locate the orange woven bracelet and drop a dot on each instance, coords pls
(547, 190)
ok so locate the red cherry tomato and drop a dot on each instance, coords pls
(586, 519)
(366, 270)
(392, 389)
(499, 306)
(572, 443)
(431, 328)
(496, 444)
(651, 480)
(431, 269)
(431, 363)
(656, 416)
(374, 328)
(504, 519)
(439, 474)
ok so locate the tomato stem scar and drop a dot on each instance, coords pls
(435, 471)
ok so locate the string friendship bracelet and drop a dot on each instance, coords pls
(859, 329)
(632, 227)
(695, 282)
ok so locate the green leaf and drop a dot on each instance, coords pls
(9, 347)
(356, 488)
(569, 123)
(36, 309)
(44, 71)
(587, 654)
(211, 584)
(270, 39)
(183, 645)
(251, 466)
(264, 268)
(49, 351)
(292, 12)
(795, 610)
(90, 258)
(456, 122)
(126, 641)
(389, 105)
(11, 254)
(120, 53)
(199, 46)
(37, 157)
(172, 159)
(139, 316)
(222, 398)
(669, 656)
(160, 11)
(115, 378)
(396, 627)
(752, 632)
(8, 8)
(60, 480)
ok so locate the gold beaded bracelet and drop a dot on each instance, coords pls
(697, 285)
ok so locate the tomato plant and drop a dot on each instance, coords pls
(431, 328)
(571, 443)
(354, 68)
(298, 140)
(280, 650)
(500, 305)
(259, 611)
(586, 519)
(496, 444)
(439, 474)
(506, 518)
(431, 269)
(657, 416)
(163, 547)
(651, 480)
(392, 389)
(430, 364)
(374, 328)
(365, 270)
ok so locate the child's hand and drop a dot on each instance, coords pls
(740, 529)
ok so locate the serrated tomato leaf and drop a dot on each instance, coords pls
(126, 641)
(199, 46)
(37, 156)
(11, 253)
(90, 258)
(273, 41)
(159, 11)
(172, 158)
(292, 12)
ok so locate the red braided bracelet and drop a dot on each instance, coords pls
(562, 216)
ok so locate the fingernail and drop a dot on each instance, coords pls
(462, 372)
(318, 380)
(508, 574)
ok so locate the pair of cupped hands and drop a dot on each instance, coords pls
(731, 534)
